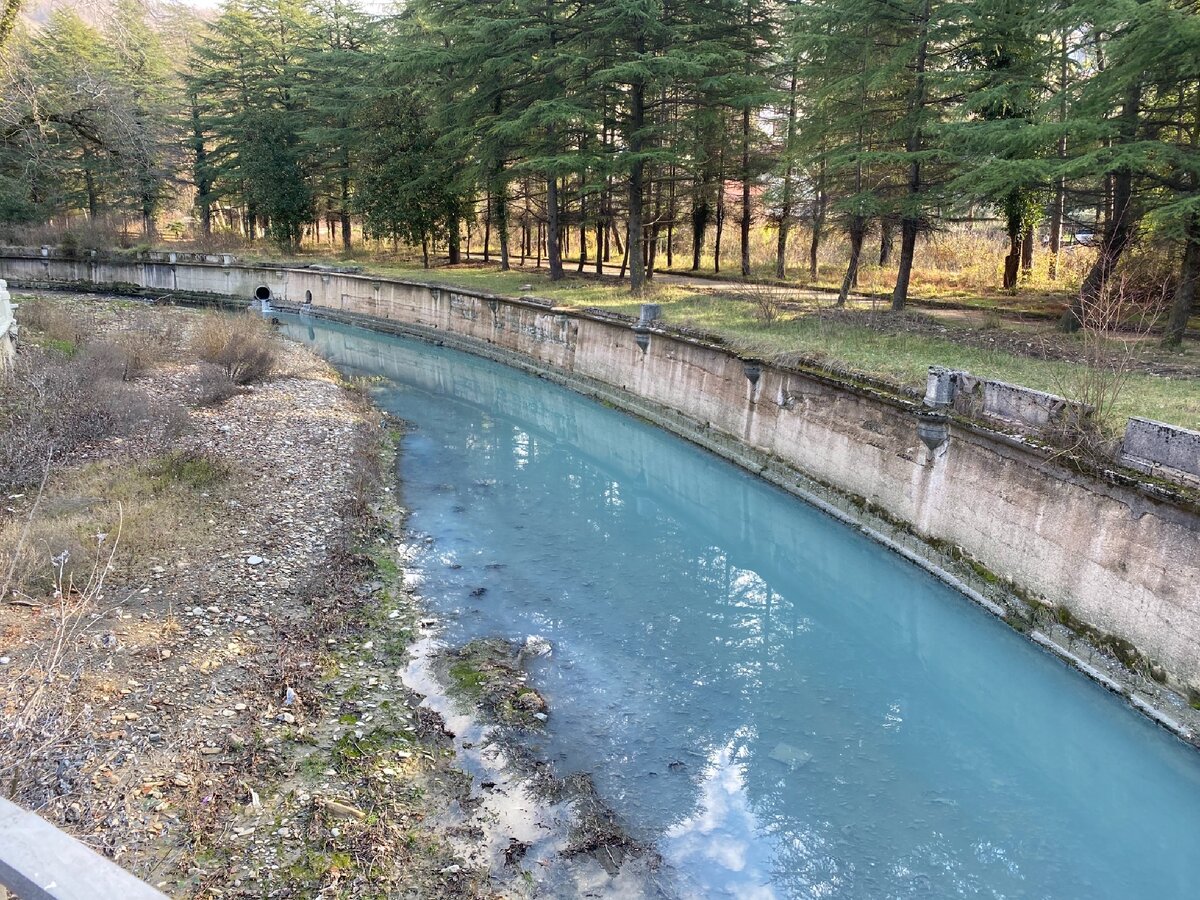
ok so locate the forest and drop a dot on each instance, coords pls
(625, 136)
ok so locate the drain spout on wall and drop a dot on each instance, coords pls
(641, 328)
(933, 423)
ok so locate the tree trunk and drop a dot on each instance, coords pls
(425, 251)
(1058, 209)
(887, 238)
(553, 252)
(1121, 224)
(526, 240)
(700, 216)
(487, 228)
(655, 226)
(785, 205)
(1012, 262)
(819, 206)
(583, 229)
(911, 222)
(720, 223)
(708, 185)
(344, 214)
(633, 245)
(89, 182)
(745, 192)
(454, 243)
(199, 171)
(1027, 253)
(599, 243)
(1185, 289)
(502, 225)
(857, 233)
(671, 210)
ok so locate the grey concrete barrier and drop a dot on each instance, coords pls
(39, 862)
(1162, 450)
(998, 401)
(8, 328)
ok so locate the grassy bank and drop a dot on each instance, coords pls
(1162, 385)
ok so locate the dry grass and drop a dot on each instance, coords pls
(65, 405)
(244, 346)
(157, 504)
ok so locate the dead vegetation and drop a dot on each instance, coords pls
(244, 347)
(1112, 346)
(221, 723)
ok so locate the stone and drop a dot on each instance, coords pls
(254, 560)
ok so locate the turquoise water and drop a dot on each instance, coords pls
(783, 707)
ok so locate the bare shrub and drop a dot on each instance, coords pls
(61, 326)
(95, 234)
(77, 402)
(768, 299)
(43, 710)
(1113, 333)
(244, 346)
(212, 386)
(145, 342)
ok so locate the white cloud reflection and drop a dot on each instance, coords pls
(720, 849)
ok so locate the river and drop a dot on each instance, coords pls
(781, 706)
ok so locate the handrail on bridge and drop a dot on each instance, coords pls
(39, 862)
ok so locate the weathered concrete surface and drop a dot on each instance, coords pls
(39, 862)
(1162, 450)
(1121, 556)
(8, 328)
(997, 401)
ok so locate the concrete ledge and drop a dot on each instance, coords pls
(39, 862)
(1161, 450)
(8, 328)
(999, 401)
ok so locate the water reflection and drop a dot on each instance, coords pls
(786, 708)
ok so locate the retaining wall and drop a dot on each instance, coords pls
(1106, 549)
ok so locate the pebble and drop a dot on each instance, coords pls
(254, 560)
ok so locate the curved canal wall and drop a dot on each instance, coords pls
(1094, 564)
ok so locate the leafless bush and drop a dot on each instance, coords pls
(89, 234)
(146, 341)
(244, 346)
(212, 386)
(1113, 333)
(42, 710)
(768, 299)
(65, 406)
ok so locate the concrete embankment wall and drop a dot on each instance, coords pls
(1106, 550)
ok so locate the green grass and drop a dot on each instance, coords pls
(902, 358)
(59, 345)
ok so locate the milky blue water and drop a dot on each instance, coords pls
(783, 707)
